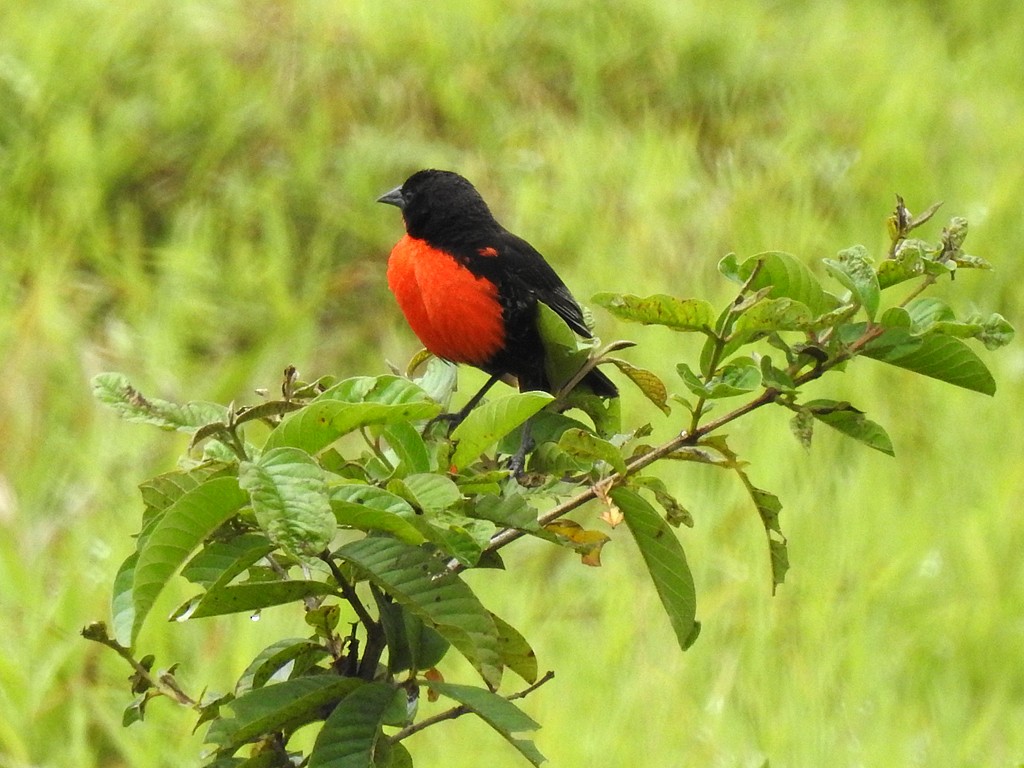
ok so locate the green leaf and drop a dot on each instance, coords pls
(604, 412)
(160, 492)
(775, 378)
(422, 582)
(931, 315)
(666, 562)
(564, 352)
(427, 492)
(394, 755)
(412, 644)
(352, 730)
(122, 600)
(907, 263)
(275, 657)
(439, 381)
(280, 707)
(509, 511)
(367, 518)
(967, 261)
(737, 377)
(844, 418)
(516, 653)
(407, 443)
(372, 497)
(648, 382)
(769, 315)
(996, 331)
(926, 311)
(802, 427)
(786, 277)
(289, 495)
(499, 713)
(940, 357)
(895, 341)
(659, 309)
(768, 508)
(114, 390)
(249, 597)
(220, 561)
(729, 268)
(352, 404)
(488, 423)
(855, 271)
(462, 537)
(584, 444)
(675, 513)
(179, 531)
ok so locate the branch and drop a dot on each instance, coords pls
(683, 439)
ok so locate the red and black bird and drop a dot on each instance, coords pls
(470, 288)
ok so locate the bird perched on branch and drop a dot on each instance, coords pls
(469, 288)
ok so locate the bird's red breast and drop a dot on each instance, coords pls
(456, 314)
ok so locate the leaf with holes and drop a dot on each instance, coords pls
(844, 418)
(854, 269)
(114, 390)
(660, 309)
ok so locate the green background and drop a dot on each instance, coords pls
(186, 195)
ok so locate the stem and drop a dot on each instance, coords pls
(925, 284)
(349, 592)
(374, 445)
(376, 641)
(720, 343)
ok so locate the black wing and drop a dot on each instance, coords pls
(527, 270)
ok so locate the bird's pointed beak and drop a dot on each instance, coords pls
(394, 197)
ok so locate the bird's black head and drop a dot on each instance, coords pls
(441, 207)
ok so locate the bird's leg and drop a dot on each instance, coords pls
(454, 419)
(518, 462)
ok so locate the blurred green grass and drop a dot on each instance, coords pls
(186, 195)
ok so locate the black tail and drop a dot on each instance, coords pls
(600, 384)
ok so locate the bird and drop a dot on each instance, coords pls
(470, 289)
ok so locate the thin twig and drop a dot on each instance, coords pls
(462, 709)
(164, 683)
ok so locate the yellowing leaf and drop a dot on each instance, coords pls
(587, 543)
